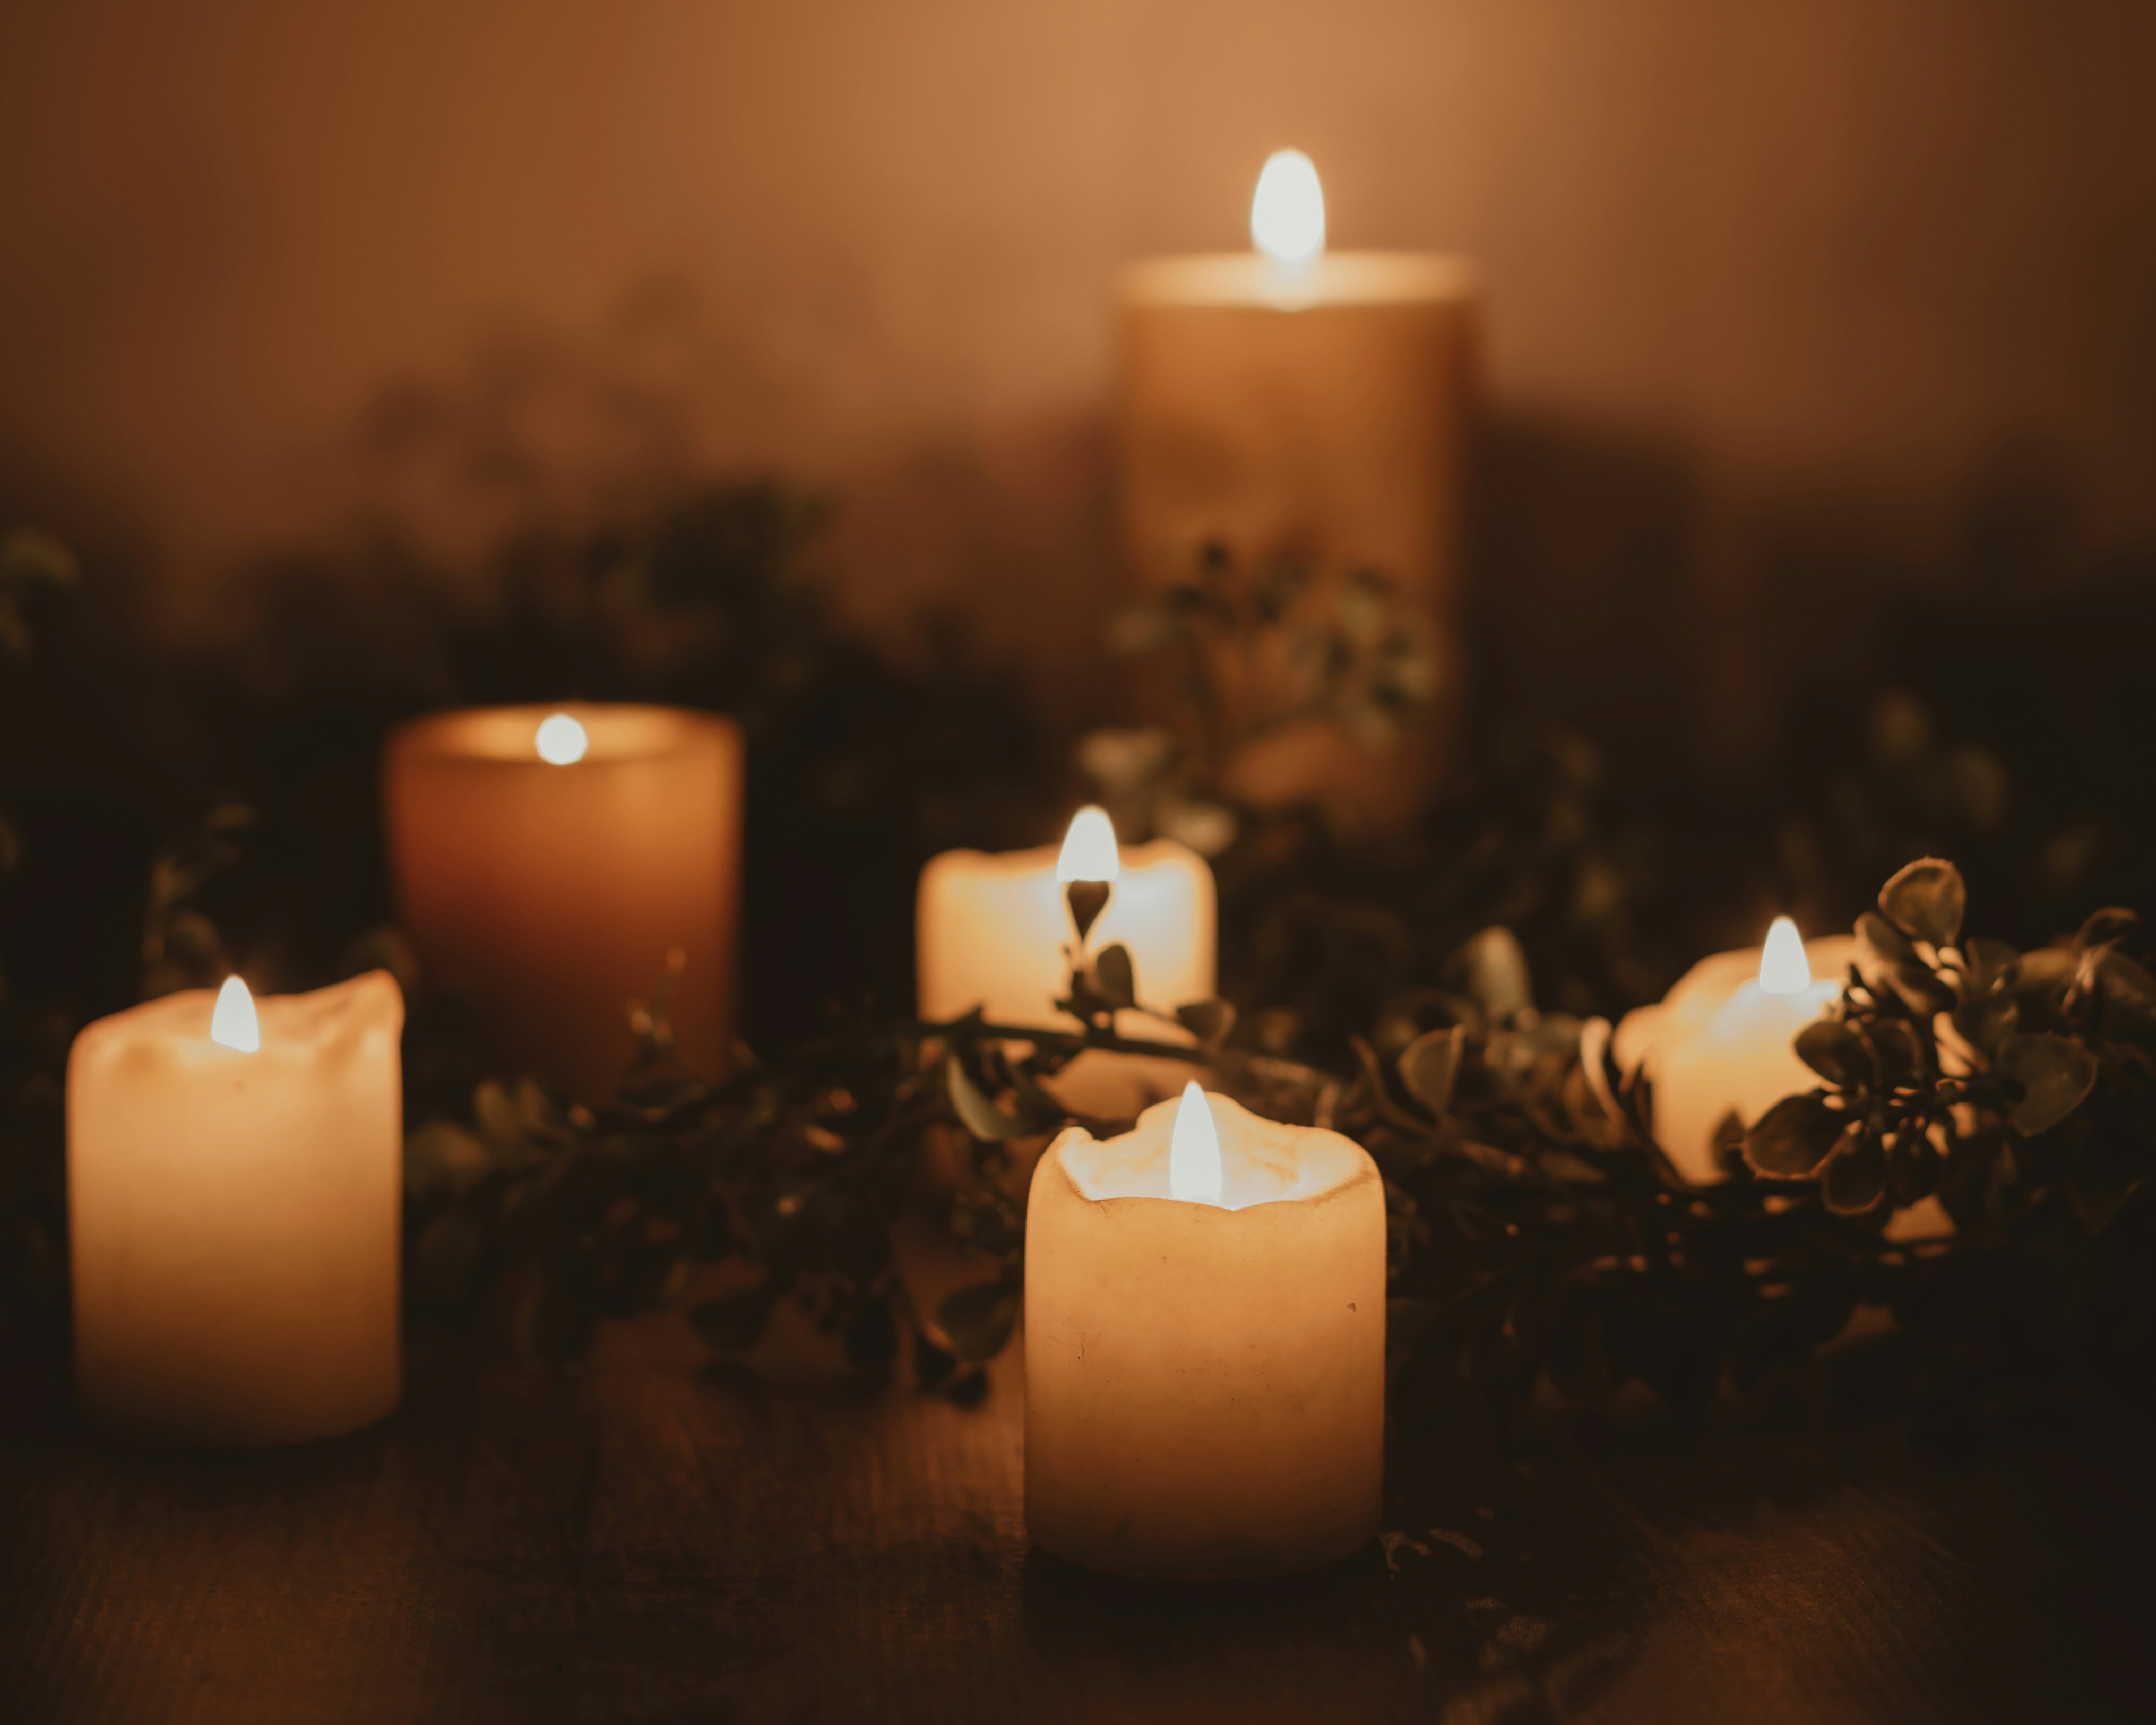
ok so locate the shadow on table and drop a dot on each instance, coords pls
(1386, 1633)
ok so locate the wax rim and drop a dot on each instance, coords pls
(617, 733)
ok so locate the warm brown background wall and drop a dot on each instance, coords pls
(1858, 264)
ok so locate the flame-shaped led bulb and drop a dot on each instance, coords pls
(561, 740)
(1784, 969)
(1088, 848)
(233, 1024)
(1287, 212)
(1193, 1150)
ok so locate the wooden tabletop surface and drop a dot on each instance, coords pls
(651, 1541)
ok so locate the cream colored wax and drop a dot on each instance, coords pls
(990, 931)
(234, 1214)
(1720, 1042)
(1318, 407)
(551, 885)
(1204, 1379)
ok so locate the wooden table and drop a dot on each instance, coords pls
(652, 1542)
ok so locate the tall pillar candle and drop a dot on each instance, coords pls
(552, 863)
(990, 931)
(234, 1197)
(1205, 1345)
(1290, 399)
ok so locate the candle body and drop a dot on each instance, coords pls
(1206, 1384)
(552, 896)
(1324, 414)
(1719, 1042)
(990, 931)
(234, 1217)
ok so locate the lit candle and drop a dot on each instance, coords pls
(1294, 399)
(234, 1202)
(992, 932)
(1205, 1345)
(1719, 1042)
(555, 864)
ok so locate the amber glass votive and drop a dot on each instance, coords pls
(554, 889)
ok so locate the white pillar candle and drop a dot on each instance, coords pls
(1205, 1345)
(991, 932)
(233, 1206)
(1720, 1041)
(549, 865)
(1293, 399)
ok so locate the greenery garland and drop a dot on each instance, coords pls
(1541, 1243)
(1538, 1236)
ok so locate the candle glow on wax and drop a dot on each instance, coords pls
(1088, 848)
(1784, 969)
(1193, 1150)
(561, 740)
(1287, 212)
(233, 1024)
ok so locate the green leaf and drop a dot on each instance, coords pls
(1430, 1064)
(1087, 899)
(2054, 1076)
(1926, 900)
(1210, 1021)
(1114, 977)
(2046, 969)
(1988, 1021)
(442, 1157)
(1831, 1049)
(981, 1116)
(1855, 1178)
(1792, 1138)
(2105, 927)
(980, 1317)
(1992, 965)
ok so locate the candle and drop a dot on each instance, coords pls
(1205, 1345)
(555, 866)
(1294, 399)
(1720, 1042)
(992, 931)
(233, 1202)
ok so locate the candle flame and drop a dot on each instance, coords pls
(1088, 848)
(1287, 214)
(561, 740)
(1784, 969)
(233, 1024)
(1193, 1150)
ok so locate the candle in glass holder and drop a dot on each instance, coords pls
(992, 931)
(556, 865)
(1293, 400)
(1720, 1042)
(234, 1198)
(1205, 1345)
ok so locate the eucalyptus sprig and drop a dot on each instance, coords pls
(1961, 1068)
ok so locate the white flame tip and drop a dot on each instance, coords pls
(1193, 1150)
(561, 740)
(1088, 848)
(1287, 211)
(1784, 968)
(233, 1024)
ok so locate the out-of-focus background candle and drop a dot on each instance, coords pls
(1720, 1041)
(991, 932)
(549, 860)
(1293, 399)
(233, 1205)
(1205, 1345)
